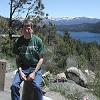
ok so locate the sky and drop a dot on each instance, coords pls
(63, 8)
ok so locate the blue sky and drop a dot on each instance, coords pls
(63, 8)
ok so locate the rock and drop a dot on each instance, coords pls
(61, 77)
(76, 75)
(90, 76)
(72, 91)
(55, 95)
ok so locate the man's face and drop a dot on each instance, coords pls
(27, 30)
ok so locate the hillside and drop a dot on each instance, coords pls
(71, 21)
(75, 24)
(80, 27)
(3, 24)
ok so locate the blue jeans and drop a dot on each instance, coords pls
(15, 87)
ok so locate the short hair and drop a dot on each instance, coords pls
(27, 22)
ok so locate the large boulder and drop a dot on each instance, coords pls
(76, 75)
(72, 91)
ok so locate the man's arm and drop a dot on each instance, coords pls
(39, 64)
(18, 63)
(32, 75)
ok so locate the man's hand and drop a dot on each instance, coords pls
(22, 76)
(31, 76)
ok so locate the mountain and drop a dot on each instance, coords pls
(75, 24)
(66, 23)
(71, 20)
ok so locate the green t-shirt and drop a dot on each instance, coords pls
(29, 50)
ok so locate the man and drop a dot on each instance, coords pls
(29, 50)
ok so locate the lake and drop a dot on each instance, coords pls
(84, 36)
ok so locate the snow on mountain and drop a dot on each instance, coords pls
(71, 20)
